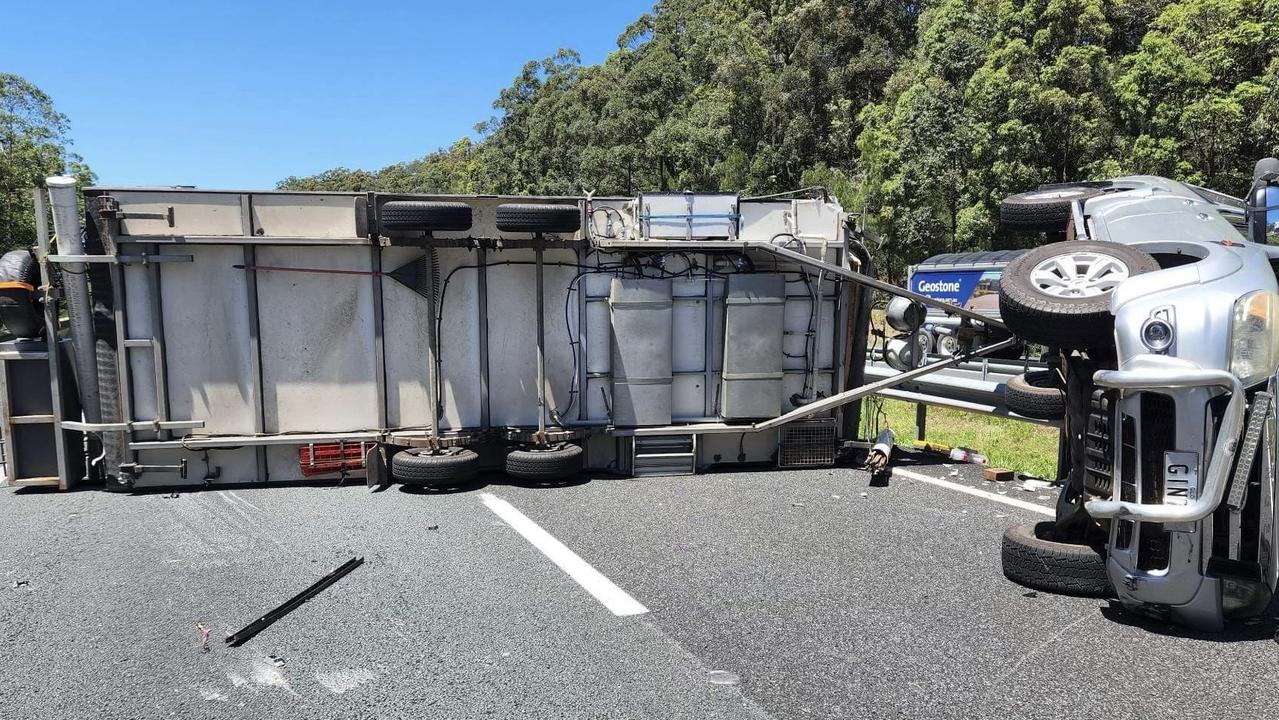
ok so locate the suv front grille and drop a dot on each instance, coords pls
(1158, 436)
(1098, 452)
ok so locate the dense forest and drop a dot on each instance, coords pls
(920, 114)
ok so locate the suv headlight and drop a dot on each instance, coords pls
(1254, 344)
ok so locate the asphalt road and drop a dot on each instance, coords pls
(769, 594)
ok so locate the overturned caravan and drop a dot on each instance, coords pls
(231, 337)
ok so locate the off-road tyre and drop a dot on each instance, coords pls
(1043, 210)
(20, 307)
(1037, 394)
(442, 468)
(538, 218)
(423, 215)
(1071, 323)
(555, 463)
(1031, 558)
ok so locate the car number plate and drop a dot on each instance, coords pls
(1181, 477)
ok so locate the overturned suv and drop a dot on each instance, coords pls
(1162, 304)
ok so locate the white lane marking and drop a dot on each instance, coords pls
(611, 596)
(1022, 504)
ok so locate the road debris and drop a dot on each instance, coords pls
(1033, 485)
(276, 660)
(239, 638)
(432, 527)
(204, 636)
(879, 457)
(965, 455)
(997, 474)
(723, 677)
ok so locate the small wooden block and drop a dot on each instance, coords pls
(998, 474)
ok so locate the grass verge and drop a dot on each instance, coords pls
(1021, 446)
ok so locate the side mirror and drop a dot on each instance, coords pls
(1263, 203)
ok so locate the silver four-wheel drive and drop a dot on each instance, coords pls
(1162, 301)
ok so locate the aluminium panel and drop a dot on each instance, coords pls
(641, 318)
(689, 321)
(512, 334)
(405, 318)
(317, 340)
(597, 398)
(688, 397)
(818, 220)
(597, 338)
(206, 339)
(799, 315)
(232, 466)
(459, 313)
(689, 216)
(765, 220)
(193, 213)
(752, 370)
(304, 215)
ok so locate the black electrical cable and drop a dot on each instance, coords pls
(603, 268)
(606, 210)
(575, 343)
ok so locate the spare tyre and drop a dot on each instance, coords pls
(440, 468)
(424, 215)
(543, 464)
(538, 218)
(1059, 294)
(1033, 559)
(1037, 394)
(20, 305)
(1044, 210)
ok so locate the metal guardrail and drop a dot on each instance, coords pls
(976, 386)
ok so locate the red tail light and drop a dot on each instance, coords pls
(324, 458)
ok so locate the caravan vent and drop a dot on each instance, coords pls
(808, 443)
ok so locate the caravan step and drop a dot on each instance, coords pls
(657, 455)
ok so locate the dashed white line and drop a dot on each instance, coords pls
(1022, 504)
(610, 595)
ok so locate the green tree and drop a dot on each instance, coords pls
(34, 144)
(925, 115)
(749, 95)
(1045, 95)
(998, 96)
(922, 183)
(1199, 94)
(454, 170)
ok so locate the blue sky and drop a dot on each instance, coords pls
(239, 94)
